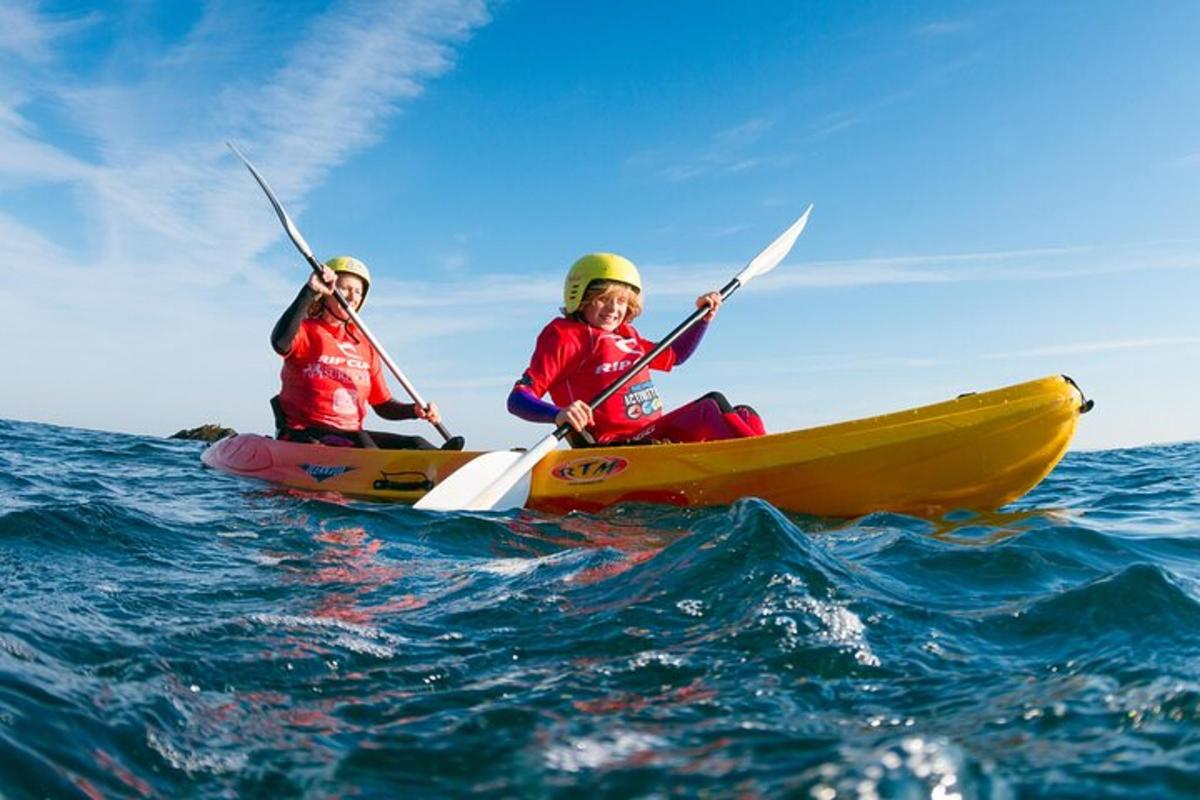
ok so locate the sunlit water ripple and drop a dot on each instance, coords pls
(169, 630)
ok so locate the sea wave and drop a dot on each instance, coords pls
(169, 630)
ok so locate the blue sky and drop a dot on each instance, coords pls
(1002, 191)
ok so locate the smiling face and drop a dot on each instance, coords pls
(352, 288)
(607, 304)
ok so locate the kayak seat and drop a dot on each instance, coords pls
(369, 440)
(277, 413)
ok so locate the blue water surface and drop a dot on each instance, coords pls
(167, 630)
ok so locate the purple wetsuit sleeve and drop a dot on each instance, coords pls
(687, 342)
(524, 405)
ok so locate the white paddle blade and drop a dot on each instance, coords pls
(515, 497)
(292, 231)
(510, 488)
(462, 485)
(775, 252)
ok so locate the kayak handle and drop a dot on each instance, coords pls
(1087, 404)
(387, 483)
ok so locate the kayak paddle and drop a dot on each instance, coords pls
(500, 479)
(317, 267)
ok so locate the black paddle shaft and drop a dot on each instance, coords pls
(611, 389)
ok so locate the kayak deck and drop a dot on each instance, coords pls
(979, 451)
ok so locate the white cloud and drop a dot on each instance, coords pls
(725, 152)
(1084, 348)
(824, 363)
(943, 28)
(165, 175)
(168, 180)
(488, 291)
(728, 230)
(31, 36)
(1031, 264)
(165, 299)
(24, 159)
(482, 295)
(24, 246)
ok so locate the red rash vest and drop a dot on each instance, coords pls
(574, 361)
(329, 378)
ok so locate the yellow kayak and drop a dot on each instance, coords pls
(979, 451)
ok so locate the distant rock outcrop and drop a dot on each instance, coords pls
(205, 433)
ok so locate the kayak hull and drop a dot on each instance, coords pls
(979, 452)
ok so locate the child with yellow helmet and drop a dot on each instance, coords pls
(580, 353)
(331, 374)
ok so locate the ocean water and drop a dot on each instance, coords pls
(166, 630)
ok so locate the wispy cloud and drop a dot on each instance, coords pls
(727, 151)
(727, 230)
(1190, 161)
(466, 292)
(31, 35)
(1085, 348)
(22, 245)
(676, 279)
(1032, 264)
(942, 28)
(174, 230)
(864, 362)
(164, 186)
(774, 138)
(825, 363)
(171, 179)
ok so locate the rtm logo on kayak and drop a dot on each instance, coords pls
(589, 470)
(321, 473)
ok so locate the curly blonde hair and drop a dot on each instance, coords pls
(602, 290)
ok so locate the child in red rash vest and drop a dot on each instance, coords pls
(579, 354)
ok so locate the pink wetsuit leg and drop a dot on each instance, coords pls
(699, 421)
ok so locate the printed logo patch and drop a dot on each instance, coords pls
(589, 470)
(641, 400)
(343, 402)
(323, 472)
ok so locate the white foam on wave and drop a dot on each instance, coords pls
(191, 763)
(365, 647)
(508, 567)
(650, 657)
(515, 567)
(362, 633)
(237, 534)
(594, 752)
(914, 766)
(840, 626)
(843, 627)
(16, 648)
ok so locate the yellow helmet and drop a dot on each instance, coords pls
(352, 266)
(597, 267)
